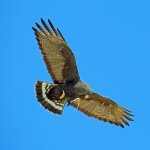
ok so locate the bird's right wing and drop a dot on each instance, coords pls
(102, 108)
(57, 55)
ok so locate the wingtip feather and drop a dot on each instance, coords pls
(34, 29)
(61, 34)
(52, 26)
(128, 118)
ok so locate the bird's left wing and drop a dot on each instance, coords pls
(57, 55)
(102, 108)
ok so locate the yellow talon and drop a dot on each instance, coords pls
(63, 95)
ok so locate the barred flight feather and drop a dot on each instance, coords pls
(54, 106)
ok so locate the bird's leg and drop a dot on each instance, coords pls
(77, 99)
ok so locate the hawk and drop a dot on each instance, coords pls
(67, 86)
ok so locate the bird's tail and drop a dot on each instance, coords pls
(51, 96)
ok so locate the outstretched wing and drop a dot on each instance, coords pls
(102, 108)
(58, 57)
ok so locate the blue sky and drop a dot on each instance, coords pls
(111, 42)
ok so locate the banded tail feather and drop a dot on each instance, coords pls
(51, 96)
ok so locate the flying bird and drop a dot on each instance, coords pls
(67, 86)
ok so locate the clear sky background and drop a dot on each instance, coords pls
(111, 42)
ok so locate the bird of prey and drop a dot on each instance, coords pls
(67, 86)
